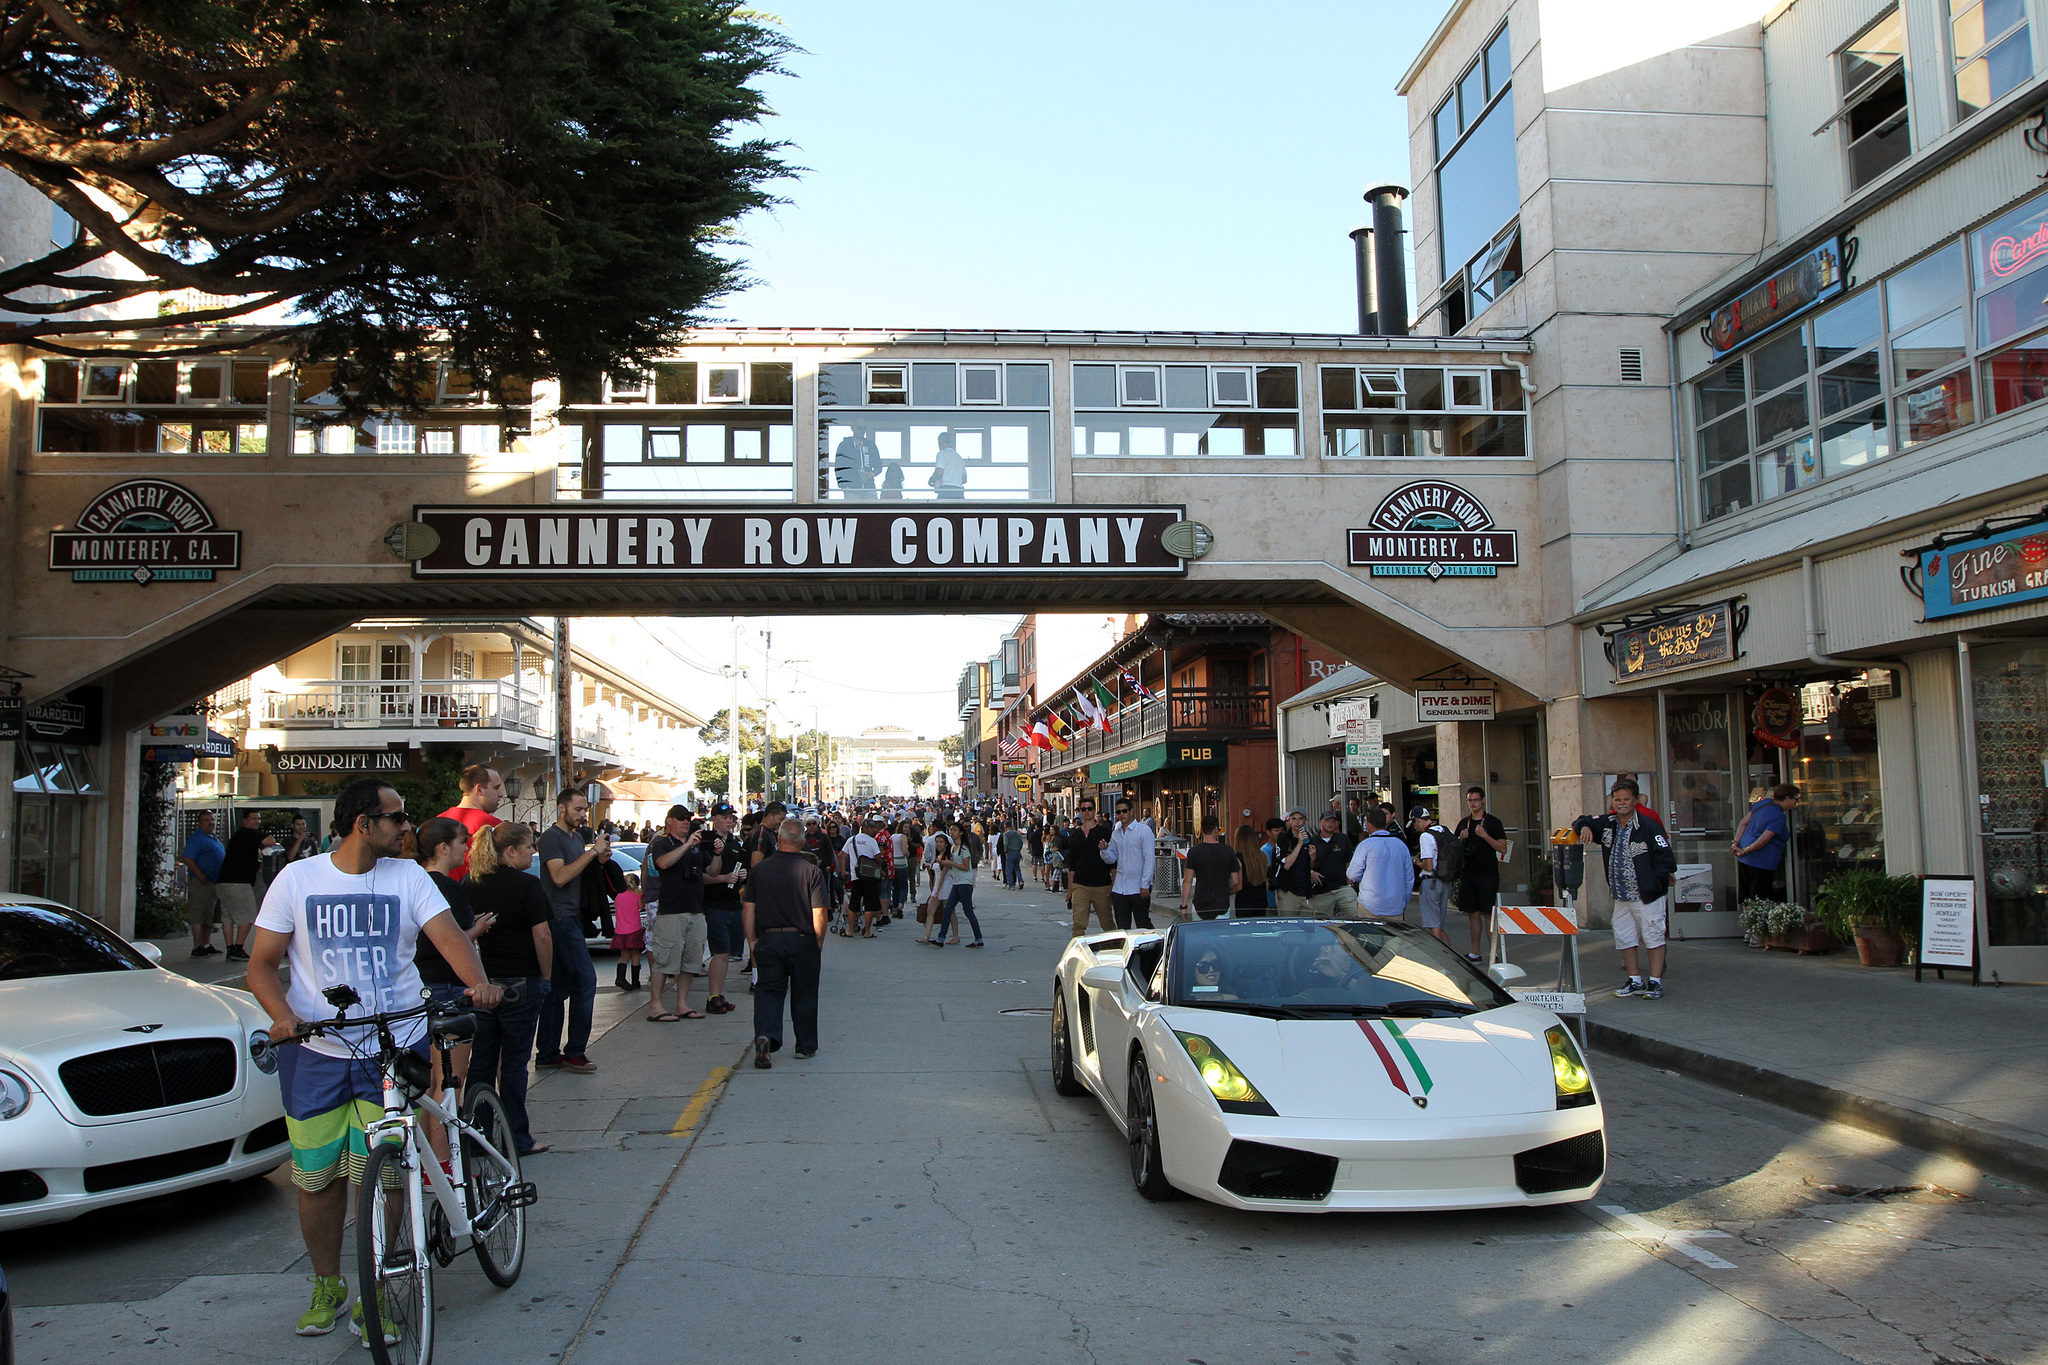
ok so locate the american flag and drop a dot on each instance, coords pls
(1010, 747)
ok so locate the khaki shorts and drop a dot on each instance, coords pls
(237, 903)
(1639, 925)
(202, 905)
(676, 944)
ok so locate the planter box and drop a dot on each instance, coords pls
(1810, 939)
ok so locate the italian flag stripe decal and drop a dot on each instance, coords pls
(1411, 1080)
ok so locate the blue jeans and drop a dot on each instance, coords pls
(503, 1046)
(962, 896)
(788, 965)
(575, 990)
(899, 888)
(1013, 870)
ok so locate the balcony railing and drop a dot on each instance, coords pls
(1185, 708)
(431, 703)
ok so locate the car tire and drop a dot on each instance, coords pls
(1064, 1081)
(1148, 1171)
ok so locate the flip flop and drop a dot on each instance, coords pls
(687, 1014)
(534, 1150)
(666, 1018)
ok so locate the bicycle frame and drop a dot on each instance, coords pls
(400, 1124)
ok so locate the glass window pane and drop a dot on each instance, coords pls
(252, 438)
(1277, 387)
(1340, 389)
(1187, 386)
(1850, 383)
(1095, 386)
(1446, 124)
(704, 444)
(1936, 410)
(749, 443)
(675, 383)
(1472, 93)
(1028, 386)
(1498, 62)
(1847, 327)
(1233, 386)
(1727, 439)
(981, 384)
(1967, 30)
(664, 443)
(2011, 310)
(156, 381)
(1777, 363)
(1881, 45)
(1859, 440)
(1507, 391)
(1425, 390)
(1925, 287)
(622, 445)
(1933, 346)
(722, 382)
(933, 385)
(1724, 491)
(252, 381)
(1468, 390)
(1141, 386)
(440, 441)
(2001, 69)
(2019, 376)
(1477, 190)
(1718, 392)
(205, 382)
(1792, 465)
(105, 381)
(839, 385)
(1784, 413)
(774, 384)
(60, 381)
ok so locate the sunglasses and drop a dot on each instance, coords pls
(398, 815)
(1212, 965)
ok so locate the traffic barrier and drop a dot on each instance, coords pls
(1535, 919)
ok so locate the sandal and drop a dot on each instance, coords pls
(665, 1018)
(534, 1150)
(687, 1014)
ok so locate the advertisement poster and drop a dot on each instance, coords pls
(1948, 922)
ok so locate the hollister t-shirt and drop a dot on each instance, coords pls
(353, 931)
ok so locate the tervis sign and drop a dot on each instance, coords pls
(145, 530)
(658, 541)
(1431, 529)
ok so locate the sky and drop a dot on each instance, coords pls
(1135, 164)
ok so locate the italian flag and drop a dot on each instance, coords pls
(1405, 1071)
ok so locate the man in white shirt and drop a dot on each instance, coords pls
(352, 917)
(1130, 853)
(866, 898)
(1433, 891)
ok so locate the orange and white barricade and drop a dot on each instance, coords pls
(1568, 999)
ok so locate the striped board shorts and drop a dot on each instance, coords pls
(329, 1104)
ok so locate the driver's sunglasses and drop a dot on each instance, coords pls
(400, 816)
(1209, 965)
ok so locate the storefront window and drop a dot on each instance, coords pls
(1839, 822)
(49, 819)
(1698, 745)
(2009, 695)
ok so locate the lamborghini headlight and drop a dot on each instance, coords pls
(14, 1095)
(1220, 1074)
(1568, 1069)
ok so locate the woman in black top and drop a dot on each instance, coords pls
(1250, 900)
(518, 953)
(442, 844)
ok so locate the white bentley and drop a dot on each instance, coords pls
(119, 1080)
(1285, 1064)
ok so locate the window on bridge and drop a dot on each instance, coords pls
(922, 430)
(1391, 412)
(704, 429)
(452, 416)
(1187, 412)
(175, 407)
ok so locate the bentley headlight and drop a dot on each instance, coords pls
(1219, 1073)
(1568, 1068)
(14, 1096)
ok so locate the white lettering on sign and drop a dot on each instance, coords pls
(757, 532)
(474, 537)
(554, 540)
(1054, 548)
(1557, 1002)
(661, 540)
(796, 540)
(696, 528)
(1021, 532)
(835, 539)
(513, 550)
(978, 540)
(903, 540)
(593, 537)
(1128, 528)
(629, 540)
(1948, 921)
(938, 540)
(1095, 540)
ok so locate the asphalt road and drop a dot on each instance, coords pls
(918, 1194)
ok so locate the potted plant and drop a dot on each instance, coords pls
(1755, 920)
(1872, 908)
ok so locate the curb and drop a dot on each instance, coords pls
(1988, 1145)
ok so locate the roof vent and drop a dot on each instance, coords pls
(1631, 364)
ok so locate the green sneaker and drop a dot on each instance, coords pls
(330, 1292)
(355, 1324)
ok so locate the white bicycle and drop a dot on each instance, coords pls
(410, 1214)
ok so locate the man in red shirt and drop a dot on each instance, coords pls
(482, 792)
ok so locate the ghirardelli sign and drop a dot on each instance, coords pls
(1435, 530)
(145, 530)
(642, 540)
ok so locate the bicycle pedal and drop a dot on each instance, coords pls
(521, 1196)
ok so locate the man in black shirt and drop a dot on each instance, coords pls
(785, 919)
(1088, 877)
(725, 868)
(237, 890)
(1484, 840)
(672, 898)
(1211, 877)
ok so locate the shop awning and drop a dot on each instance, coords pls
(1153, 757)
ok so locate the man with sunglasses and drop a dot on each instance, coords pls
(1088, 872)
(351, 918)
(1130, 853)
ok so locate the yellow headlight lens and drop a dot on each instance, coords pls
(1566, 1064)
(1218, 1072)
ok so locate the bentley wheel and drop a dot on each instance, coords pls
(1147, 1171)
(1064, 1081)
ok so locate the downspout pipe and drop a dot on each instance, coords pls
(1816, 632)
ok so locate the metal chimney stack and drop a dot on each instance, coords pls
(1389, 268)
(1368, 286)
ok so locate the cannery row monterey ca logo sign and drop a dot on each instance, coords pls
(652, 540)
(1430, 529)
(145, 531)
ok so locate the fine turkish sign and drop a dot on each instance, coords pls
(657, 541)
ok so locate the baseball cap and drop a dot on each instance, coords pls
(1418, 813)
(1299, 810)
(723, 809)
(1333, 815)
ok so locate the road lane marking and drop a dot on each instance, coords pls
(1678, 1239)
(700, 1101)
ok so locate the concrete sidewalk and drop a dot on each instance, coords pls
(1938, 1065)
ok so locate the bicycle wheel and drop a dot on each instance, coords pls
(497, 1202)
(394, 1275)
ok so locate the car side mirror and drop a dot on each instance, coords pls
(1108, 975)
(150, 951)
(1504, 972)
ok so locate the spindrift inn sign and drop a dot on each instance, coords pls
(651, 540)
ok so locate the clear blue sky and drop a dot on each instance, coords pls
(1128, 164)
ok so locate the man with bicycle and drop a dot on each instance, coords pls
(351, 917)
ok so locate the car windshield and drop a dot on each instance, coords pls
(1313, 969)
(48, 940)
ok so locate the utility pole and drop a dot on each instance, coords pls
(735, 766)
(767, 723)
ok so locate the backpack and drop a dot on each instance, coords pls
(1450, 854)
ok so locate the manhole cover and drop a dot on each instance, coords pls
(1028, 1009)
(1009, 981)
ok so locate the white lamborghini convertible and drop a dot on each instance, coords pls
(119, 1080)
(1290, 1064)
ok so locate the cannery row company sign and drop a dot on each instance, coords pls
(1679, 638)
(1430, 529)
(653, 540)
(145, 530)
